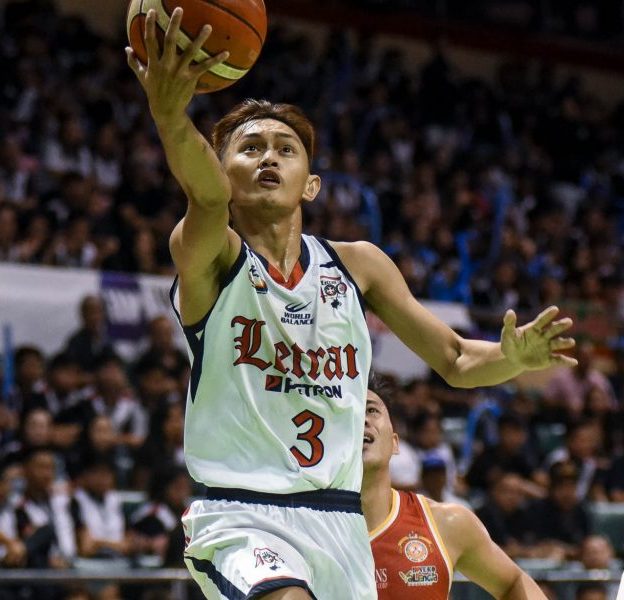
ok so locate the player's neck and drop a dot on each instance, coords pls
(279, 242)
(376, 497)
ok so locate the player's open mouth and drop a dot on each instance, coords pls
(269, 178)
(368, 438)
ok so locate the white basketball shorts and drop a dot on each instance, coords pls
(243, 544)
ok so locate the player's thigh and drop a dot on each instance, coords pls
(289, 593)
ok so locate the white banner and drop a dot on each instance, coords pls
(41, 305)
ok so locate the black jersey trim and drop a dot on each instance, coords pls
(226, 587)
(277, 584)
(340, 265)
(328, 500)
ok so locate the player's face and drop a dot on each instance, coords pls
(380, 441)
(267, 165)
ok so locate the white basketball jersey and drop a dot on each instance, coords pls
(279, 378)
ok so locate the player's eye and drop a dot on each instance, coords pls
(288, 149)
(250, 148)
(372, 409)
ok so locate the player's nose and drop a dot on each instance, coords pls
(268, 160)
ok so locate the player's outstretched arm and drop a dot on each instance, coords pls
(169, 80)
(461, 362)
(202, 245)
(479, 558)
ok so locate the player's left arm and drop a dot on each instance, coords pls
(481, 560)
(461, 362)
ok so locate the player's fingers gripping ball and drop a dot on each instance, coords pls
(238, 26)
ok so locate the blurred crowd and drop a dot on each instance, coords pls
(600, 21)
(504, 195)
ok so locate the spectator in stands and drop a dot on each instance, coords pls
(98, 439)
(164, 444)
(162, 348)
(33, 246)
(597, 553)
(97, 512)
(107, 157)
(27, 393)
(428, 439)
(505, 516)
(9, 233)
(614, 481)
(69, 152)
(35, 431)
(510, 455)
(114, 397)
(91, 342)
(560, 518)
(591, 591)
(581, 448)
(73, 247)
(42, 515)
(152, 524)
(65, 398)
(17, 174)
(12, 549)
(155, 385)
(567, 389)
(434, 481)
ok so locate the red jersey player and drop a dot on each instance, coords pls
(416, 542)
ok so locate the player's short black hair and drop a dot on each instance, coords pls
(384, 388)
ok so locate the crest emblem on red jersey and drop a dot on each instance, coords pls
(416, 548)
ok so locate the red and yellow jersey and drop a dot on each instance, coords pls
(411, 560)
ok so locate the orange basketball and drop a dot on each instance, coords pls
(238, 26)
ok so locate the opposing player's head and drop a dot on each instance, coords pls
(380, 441)
(266, 150)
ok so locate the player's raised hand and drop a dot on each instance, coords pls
(169, 78)
(537, 344)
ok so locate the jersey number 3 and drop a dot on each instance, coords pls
(311, 436)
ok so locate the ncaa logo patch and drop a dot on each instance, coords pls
(415, 547)
(266, 556)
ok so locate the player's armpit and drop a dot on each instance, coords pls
(204, 249)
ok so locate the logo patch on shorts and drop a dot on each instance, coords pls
(266, 556)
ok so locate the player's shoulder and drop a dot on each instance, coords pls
(450, 514)
(354, 249)
(360, 258)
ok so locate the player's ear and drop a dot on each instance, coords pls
(395, 443)
(312, 188)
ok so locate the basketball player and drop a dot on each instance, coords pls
(416, 542)
(280, 349)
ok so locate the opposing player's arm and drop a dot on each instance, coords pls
(202, 245)
(461, 362)
(479, 558)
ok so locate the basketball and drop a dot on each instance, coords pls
(238, 26)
